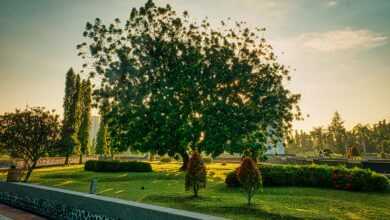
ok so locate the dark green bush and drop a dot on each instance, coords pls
(207, 160)
(165, 159)
(232, 180)
(355, 179)
(117, 166)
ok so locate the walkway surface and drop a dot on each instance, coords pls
(9, 213)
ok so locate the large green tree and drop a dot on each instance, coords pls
(176, 85)
(86, 105)
(29, 134)
(72, 115)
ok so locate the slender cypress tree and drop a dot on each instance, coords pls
(86, 100)
(103, 140)
(71, 114)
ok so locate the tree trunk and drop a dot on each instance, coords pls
(186, 159)
(81, 159)
(195, 191)
(151, 156)
(67, 159)
(29, 171)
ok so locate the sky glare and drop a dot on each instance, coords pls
(338, 50)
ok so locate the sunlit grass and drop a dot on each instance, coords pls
(165, 187)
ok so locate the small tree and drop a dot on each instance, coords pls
(29, 134)
(196, 174)
(249, 177)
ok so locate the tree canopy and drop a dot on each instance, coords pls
(175, 85)
(30, 134)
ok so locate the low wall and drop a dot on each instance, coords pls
(56, 203)
(45, 162)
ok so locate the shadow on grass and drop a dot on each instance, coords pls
(124, 177)
(63, 176)
(210, 205)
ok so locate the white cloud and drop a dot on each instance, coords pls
(344, 39)
(331, 3)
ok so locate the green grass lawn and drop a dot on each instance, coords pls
(165, 187)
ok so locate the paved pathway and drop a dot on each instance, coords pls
(9, 213)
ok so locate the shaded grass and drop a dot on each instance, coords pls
(165, 187)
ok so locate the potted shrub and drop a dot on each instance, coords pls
(14, 174)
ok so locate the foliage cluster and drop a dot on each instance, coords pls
(355, 179)
(117, 166)
(174, 85)
(29, 134)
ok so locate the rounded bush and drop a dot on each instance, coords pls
(232, 179)
(117, 166)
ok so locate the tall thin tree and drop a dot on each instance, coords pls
(86, 100)
(71, 114)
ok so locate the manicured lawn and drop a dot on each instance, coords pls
(165, 187)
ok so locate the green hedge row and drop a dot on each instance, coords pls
(355, 179)
(117, 166)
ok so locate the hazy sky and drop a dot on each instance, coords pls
(339, 48)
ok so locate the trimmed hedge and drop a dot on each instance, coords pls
(117, 166)
(355, 179)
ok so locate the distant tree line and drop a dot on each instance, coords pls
(369, 138)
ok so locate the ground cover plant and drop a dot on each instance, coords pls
(165, 187)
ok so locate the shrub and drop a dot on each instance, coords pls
(232, 179)
(196, 174)
(117, 166)
(249, 177)
(355, 152)
(165, 159)
(327, 152)
(207, 160)
(355, 179)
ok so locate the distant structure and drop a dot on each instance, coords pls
(275, 149)
(95, 123)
